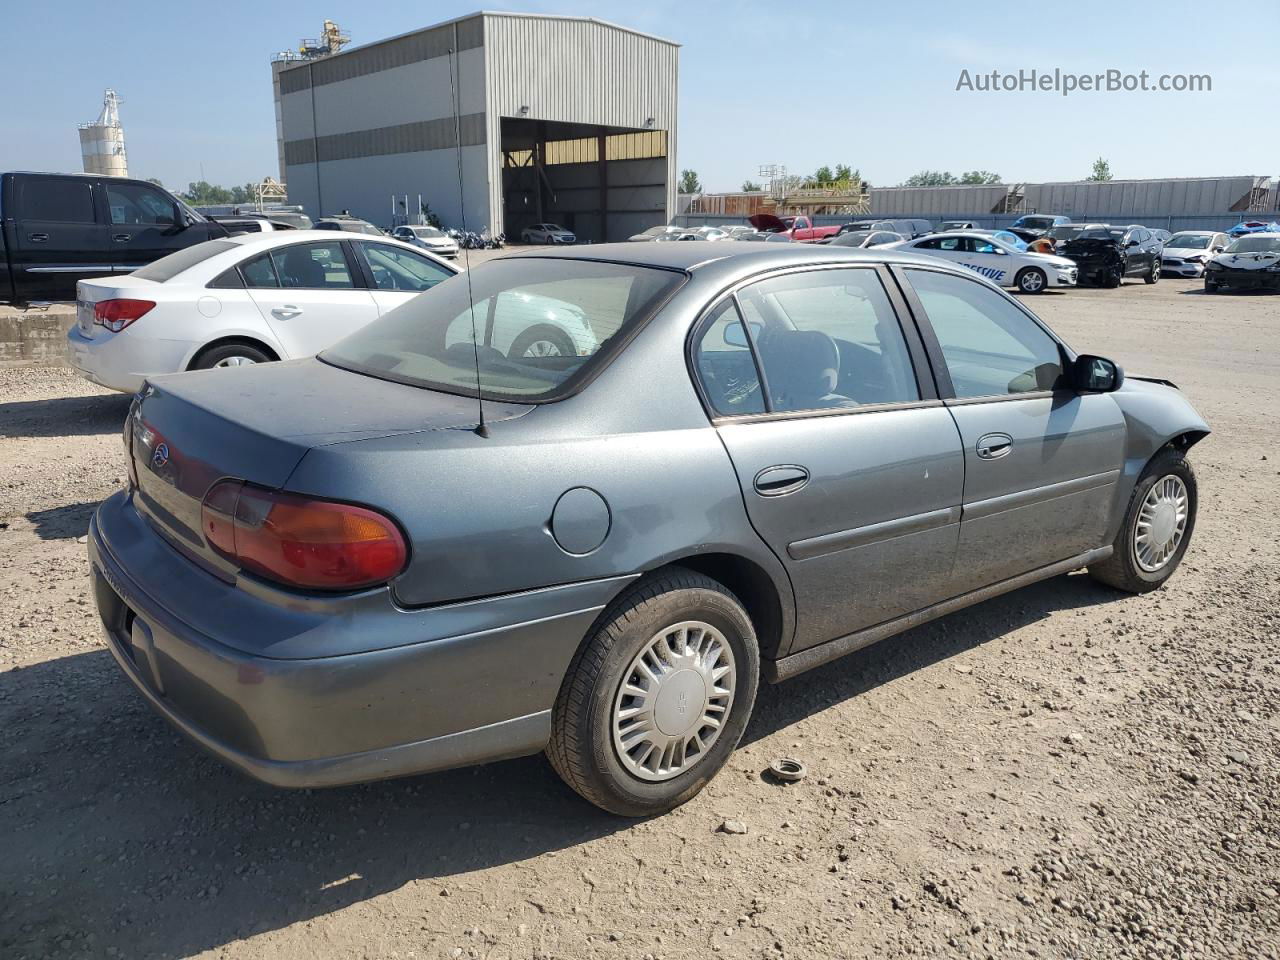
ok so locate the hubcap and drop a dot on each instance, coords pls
(1032, 281)
(542, 348)
(234, 362)
(1162, 523)
(673, 701)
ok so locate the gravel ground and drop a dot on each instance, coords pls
(1064, 772)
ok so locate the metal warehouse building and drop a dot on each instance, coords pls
(564, 119)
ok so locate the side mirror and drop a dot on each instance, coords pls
(1090, 374)
(1132, 243)
(735, 336)
(1218, 249)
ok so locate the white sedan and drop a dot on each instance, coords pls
(996, 260)
(432, 239)
(245, 299)
(547, 233)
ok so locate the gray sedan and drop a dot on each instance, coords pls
(419, 551)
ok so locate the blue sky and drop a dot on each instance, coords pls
(868, 85)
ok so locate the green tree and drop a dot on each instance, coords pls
(204, 192)
(979, 176)
(823, 175)
(750, 186)
(1101, 171)
(843, 172)
(689, 182)
(930, 178)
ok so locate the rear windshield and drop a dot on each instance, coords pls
(539, 328)
(166, 268)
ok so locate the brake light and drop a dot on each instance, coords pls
(115, 315)
(299, 541)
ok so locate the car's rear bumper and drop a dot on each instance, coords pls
(119, 361)
(467, 683)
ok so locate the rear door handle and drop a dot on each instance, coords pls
(122, 237)
(993, 446)
(780, 480)
(37, 237)
(287, 312)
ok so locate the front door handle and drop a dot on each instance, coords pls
(780, 480)
(122, 237)
(37, 237)
(993, 446)
(287, 312)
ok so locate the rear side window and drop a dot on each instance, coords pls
(166, 268)
(538, 329)
(725, 365)
(396, 269)
(259, 272)
(55, 200)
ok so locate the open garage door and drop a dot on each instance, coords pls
(602, 183)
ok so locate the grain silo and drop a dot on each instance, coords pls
(102, 142)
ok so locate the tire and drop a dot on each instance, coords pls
(1113, 277)
(1153, 275)
(1031, 280)
(584, 747)
(1210, 286)
(544, 341)
(230, 355)
(1123, 569)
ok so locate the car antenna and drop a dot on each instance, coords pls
(481, 429)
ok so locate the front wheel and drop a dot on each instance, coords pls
(1032, 280)
(1210, 286)
(1113, 277)
(657, 697)
(1157, 527)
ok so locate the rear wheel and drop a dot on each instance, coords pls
(230, 355)
(1153, 275)
(657, 697)
(1031, 280)
(1157, 527)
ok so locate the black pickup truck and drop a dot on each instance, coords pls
(58, 228)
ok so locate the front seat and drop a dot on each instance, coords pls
(299, 269)
(803, 368)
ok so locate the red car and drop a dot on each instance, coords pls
(799, 229)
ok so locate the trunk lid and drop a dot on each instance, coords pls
(188, 431)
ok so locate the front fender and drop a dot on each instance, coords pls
(1156, 414)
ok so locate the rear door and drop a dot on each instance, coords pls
(57, 236)
(850, 466)
(310, 294)
(395, 275)
(1041, 461)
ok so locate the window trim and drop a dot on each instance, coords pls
(937, 359)
(921, 363)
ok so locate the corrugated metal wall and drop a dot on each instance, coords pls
(1139, 198)
(579, 71)
(932, 201)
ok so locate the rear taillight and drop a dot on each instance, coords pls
(115, 315)
(301, 542)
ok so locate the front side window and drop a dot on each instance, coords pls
(725, 365)
(312, 266)
(991, 348)
(132, 203)
(536, 328)
(55, 201)
(828, 338)
(396, 269)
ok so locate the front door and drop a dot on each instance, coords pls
(396, 275)
(850, 467)
(58, 237)
(1041, 461)
(146, 225)
(308, 295)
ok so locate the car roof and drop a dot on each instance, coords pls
(698, 255)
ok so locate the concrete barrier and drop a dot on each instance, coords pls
(35, 336)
